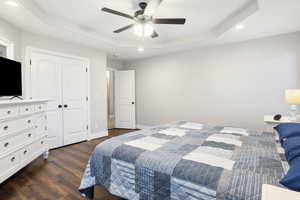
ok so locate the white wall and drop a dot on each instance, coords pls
(233, 84)
(97, 59)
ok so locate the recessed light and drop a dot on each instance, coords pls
(141, 49)
(239, 27)
(12, 3)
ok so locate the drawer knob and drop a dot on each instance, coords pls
(29, 135)
(6, 144)
(42, 142)
(9, 112)
(25, 152)
(29, 121)
(12, 159)
(26, 109)
(40, 107)
(5, 128)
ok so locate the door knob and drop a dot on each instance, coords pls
(59, 106)
(65, 105)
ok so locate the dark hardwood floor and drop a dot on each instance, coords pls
(57, 178)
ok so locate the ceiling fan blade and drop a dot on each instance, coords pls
(154, 35)
(152, 7)
(124, 28)
(169, 21)
(108, 10)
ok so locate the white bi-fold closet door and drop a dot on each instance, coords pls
(64, 82)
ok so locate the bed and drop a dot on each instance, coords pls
(185, 160)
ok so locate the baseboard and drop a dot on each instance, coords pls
(98, 135)
(140, 126)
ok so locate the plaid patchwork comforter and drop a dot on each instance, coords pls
(186, 161)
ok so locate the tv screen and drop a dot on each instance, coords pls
(10, 77)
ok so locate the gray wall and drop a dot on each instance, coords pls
(234, 84)
(97, 59)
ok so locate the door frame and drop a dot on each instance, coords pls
(28, 89)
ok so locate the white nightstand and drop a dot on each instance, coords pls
(271, 123)
(270, 192)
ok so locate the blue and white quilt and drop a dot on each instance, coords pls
(186, 161)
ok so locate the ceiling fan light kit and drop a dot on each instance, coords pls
(143, 19)
(143, 30)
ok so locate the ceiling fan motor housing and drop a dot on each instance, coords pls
(143, 5)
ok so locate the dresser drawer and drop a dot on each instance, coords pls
(28, 152)
(41, 144)
(40, 107)
(7, 112)
(26, 109)
(9, 164)
(10, 127)
(11, 143)
(14, 126)
(16, 141)
(29, 136)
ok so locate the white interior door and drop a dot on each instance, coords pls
(46, 84)
(74, 87)
(125, 99)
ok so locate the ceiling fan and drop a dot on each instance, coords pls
(144, 20)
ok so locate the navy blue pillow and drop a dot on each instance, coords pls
(292, 178)
(288, 130)
(291, 147)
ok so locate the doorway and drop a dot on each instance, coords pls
(110, 75)
(120, 99)
(125, 99)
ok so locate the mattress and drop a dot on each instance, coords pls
(185, 160)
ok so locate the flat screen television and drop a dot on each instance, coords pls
(10, 77)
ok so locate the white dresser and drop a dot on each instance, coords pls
(23, 130)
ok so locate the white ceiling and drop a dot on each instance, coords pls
(209, 22)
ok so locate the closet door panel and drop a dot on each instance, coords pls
(74, 79)
(46, 84)
(46, 79)
(54, 129)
